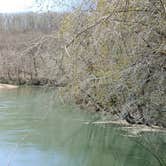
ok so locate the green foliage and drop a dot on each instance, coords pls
(103, 6)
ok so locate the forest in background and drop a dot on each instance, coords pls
(110, 57)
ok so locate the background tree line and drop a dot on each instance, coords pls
(44, 22)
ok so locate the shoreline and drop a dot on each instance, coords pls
(7, 86)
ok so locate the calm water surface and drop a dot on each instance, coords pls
(36, 129)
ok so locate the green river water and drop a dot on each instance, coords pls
(37, 129)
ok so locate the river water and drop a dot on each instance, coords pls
(37, 129)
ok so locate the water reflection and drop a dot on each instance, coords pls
(36, 129)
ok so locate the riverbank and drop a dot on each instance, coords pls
(7, 86)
